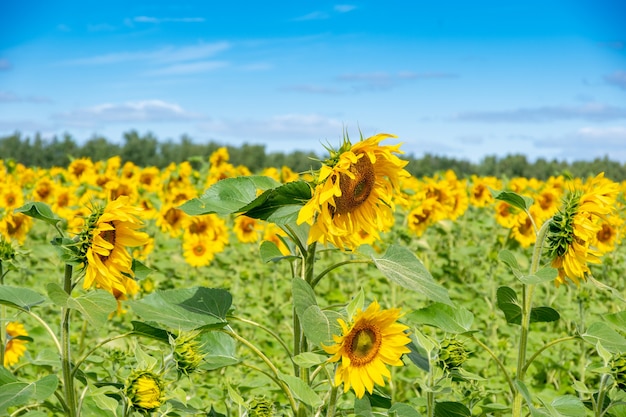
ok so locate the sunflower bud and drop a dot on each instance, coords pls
(144, 391)
(260, 407)
(618, 370)
(7, 251)
(187, 352)
(452, 354)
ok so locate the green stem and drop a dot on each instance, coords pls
(527, 297)
(267, 330)
(430, 395)
(269, 364)
(321, 275)
(332, 401)
(66, 351)
(79, 362)
(546, 346)
(601, 395)
(498, 362)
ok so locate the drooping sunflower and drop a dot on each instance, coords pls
(108, 233)
(373, 340)
(573, 232)
(145, 391)
(15, 347)
(354, 192)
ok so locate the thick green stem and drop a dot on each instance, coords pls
(527, 300)
(599, 405)
(66, 351)
(269, 364)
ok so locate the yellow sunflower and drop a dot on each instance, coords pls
(15, 348)
(247, 229)
(197, 250)
(354, 192)
(109, 232)
(372, 341)
(573, 234)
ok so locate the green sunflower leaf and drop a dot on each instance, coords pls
(20, 298)
(229, 195)
(610, 339)
(279, 205)
(39, 210)
(185, 309)
(447, 318)
(451, 409)
(402, 267)
(301, 390)
(19, 393)
(514, 199)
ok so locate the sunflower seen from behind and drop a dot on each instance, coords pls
(353, 192)
(370, 342)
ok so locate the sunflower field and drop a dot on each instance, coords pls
(352, 290)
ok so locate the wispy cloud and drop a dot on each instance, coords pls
(5, 65)
(344, 8)
(280, 127)
(322, 15)
(189, 68)
(587, 143)
(617, 79)
(9, 97)
(591, 111)
(129, 112)
(164, 55)
(317, 15)
(386, 80)
(157, 20)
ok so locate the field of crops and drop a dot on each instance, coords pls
(353, 290)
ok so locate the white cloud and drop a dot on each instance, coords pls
(317, 15)
(618, 79)
(132, 111)
(9, 97)
(386, 80)
(157, 20)
(5, 64)
(189, 68)
(590, 111)
(289, 127)
(163, 55)
(344, 8)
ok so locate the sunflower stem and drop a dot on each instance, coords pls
(66, 358)
(527, 297)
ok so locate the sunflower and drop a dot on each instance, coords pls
(15, 347)
(197, 250)
(573, 231)
(108, 233)
(373, 340)
(354, 192)
(145, 391)
(247, 229)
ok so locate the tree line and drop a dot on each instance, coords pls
(147, 150)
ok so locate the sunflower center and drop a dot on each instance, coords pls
(364, 345)
(355, 191)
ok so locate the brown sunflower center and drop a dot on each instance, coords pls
(605, 234)
(355, 191)
(364, 345)
(109, 236)
(199, 250)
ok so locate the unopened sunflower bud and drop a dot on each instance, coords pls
(144, 391)
(7, 251)
(187, 352)
(260, 407)
(618, 370)
(452, 354)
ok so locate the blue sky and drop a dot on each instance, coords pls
(452, 78)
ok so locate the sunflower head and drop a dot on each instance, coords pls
(452, 354)
(16, 339)
(187, 352)
(353, 192)
(618, 370)
(145, 391)
(260, 407)
(368, 344)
